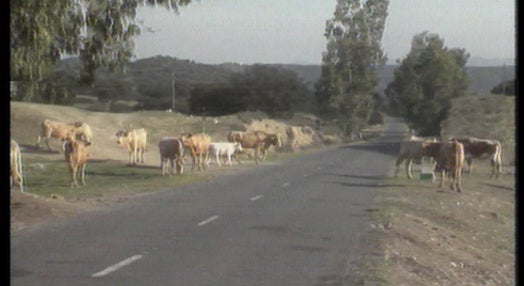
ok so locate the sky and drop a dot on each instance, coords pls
(292, 31)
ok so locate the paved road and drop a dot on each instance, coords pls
(296, 222)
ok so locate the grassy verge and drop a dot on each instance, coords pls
(432, 236)
(103, 177)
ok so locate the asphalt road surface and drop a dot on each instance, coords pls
(297, 222)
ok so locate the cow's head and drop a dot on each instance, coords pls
(238, 147)
(120, 135)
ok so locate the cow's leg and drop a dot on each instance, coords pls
(72, 171)
(83, 173)
(38, 139)
(19, 171)
(442, 174)
(218, 159)
(228, 162)
(409, 165)
(397, 165)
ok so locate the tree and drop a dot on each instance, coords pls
(354, 51)
(506, 87)
(99, 31)
(271, 89)
(426, 81)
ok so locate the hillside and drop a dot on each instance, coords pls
(151, 79)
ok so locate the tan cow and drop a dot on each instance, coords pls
(411, 151)
(474, 148)
(450, 163)
(59, 130)
(16, 166)
(75, 153)
(135, 141)
(260, 141)
(198, 147)
(171, 149)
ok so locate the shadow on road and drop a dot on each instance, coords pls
(388, 148)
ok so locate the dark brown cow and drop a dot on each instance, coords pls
(260, 141)
(475, 148)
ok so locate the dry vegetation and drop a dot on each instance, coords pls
(431, 236)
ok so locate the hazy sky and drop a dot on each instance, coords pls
(292, 31)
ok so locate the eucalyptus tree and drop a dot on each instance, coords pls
(100, 32)
(353, 53)
(426, 81)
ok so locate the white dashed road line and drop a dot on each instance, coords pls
(285, 185)
(256, 198)
(117, 266)
(208, 220)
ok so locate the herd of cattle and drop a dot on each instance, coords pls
(76, 137)
(448, 156)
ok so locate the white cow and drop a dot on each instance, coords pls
(219, 149)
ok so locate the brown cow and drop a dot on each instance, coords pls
(198, 147)
(59, 130)
(16, 166)
(171, 149)
(135, 141)
(75, 153)
(474, 148)
(411, 151)
(260, 141)
(450, 163)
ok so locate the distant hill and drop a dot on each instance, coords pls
(151, 78)
(482, 78)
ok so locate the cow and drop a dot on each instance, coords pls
(411, 151)
(171, 149)
(228, 149)
(450, 163)
(16, 166)
(75, 153)
(198, 147)
(474, 148)
(449, 158)
(59, 130)
(135, 141)
(260, 141)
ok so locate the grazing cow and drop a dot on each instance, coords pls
(171, 149)
(410, 151)
(260, 141)
(136, 143)
(228, 149)
(198, 147)
(16, 166)
(75, 153)
(474, 148)
(59, 130)
(450, 163)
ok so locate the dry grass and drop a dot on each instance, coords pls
(432, 236)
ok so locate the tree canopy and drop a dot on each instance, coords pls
(354, 51)
(99, 31)
(426, 81)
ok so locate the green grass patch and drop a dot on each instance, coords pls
(52, 177)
